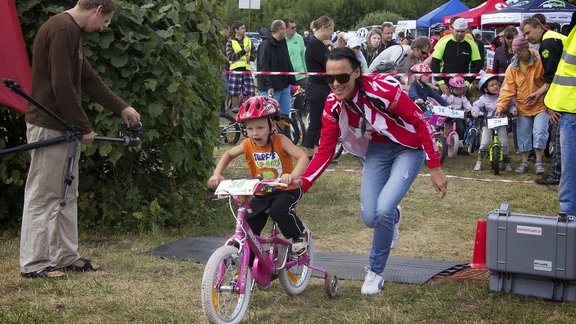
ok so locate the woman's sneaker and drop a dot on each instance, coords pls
(522, 168)
(539, 168)
(478, 166)
(373, 283)
(396, 228)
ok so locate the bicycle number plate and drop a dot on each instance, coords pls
(447, 112)
(241, 187)
(497, 122)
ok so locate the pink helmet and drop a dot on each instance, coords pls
(457, 82)
(258, 107)
(420, 68)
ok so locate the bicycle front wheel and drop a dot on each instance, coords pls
(228, 130)
(442, 147)
(496, 159)
(453, 143)
(295, 279)
(289, 127)
(221, 300)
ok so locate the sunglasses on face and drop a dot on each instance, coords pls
(341, 78)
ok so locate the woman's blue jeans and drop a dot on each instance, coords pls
(389, 171)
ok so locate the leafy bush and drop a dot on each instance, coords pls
(162, 57)
(377, 18)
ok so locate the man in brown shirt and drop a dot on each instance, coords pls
(60, 73)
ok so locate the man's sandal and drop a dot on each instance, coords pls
(46, 273)
(86, 266)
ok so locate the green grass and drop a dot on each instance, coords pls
(135, 287)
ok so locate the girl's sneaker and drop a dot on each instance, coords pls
(373, 283)
(478, 166)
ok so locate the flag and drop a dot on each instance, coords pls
(13, 59)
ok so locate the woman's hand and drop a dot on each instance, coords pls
(439, 182)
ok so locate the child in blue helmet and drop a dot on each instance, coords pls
(486, 106)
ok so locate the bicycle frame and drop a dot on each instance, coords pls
(264, 266)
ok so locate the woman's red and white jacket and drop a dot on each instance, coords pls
(391, 117)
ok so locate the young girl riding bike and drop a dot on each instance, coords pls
(269, 155)
(486, 106)
(457, 100)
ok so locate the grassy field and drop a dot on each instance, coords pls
(135, 287)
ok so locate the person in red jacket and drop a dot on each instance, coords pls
(378, 121)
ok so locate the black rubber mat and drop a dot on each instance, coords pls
(343, 265)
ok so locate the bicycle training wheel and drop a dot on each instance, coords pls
(496, 160)
(295, 280)
(442, 147)
(453, 143)
(228, 130)
(221, 300)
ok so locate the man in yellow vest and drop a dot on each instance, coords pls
(561, 97)
(550, 49)
(240, 51)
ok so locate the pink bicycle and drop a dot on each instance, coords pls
(230, 274)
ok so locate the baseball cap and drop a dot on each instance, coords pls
(354, 41)
(476, 32)
(460, 24)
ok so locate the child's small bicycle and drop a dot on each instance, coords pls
(495, 152)
(230, 274)
(472, 135)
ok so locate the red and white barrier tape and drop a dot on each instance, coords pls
(465, 75)
(359, 170)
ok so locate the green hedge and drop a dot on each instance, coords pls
(163, 58)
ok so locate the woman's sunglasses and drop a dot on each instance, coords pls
(341, 78)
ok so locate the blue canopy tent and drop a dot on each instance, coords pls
(451, 7)
(556, 11)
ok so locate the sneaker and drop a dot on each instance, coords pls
(478, 166)
(522, 168)
(539, 168)
(300, 245)
(547, 181)
(396, 228)
(373, 283)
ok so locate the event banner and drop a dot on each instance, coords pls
(13, 59)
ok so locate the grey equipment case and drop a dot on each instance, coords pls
(531, 255)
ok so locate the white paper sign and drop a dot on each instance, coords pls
(249, 4)
(242, 187)
(497, 122)
(447, 112)
(489, 60)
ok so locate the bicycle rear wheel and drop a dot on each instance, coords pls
(228, 130)
(295, 280)
(294, 115)
(221, 300)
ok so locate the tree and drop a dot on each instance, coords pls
(163, 57)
